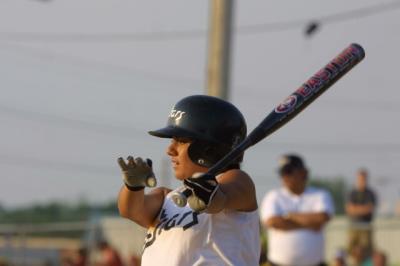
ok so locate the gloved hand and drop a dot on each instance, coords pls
(203, 187)
(137, 174)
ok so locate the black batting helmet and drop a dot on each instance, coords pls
(215, 126)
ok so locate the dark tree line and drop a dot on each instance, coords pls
(338, 189)
(56, 212)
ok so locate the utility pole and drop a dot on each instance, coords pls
(219, 48)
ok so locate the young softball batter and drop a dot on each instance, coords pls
(202, 130)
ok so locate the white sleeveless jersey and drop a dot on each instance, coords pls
(185, 238)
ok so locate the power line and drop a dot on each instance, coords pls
(338, 102)
(82, 62)
(361, 13)
(103, 37)
(118, 130)
(332, 18)
(64, 166)
(127, 131)
(194, 33)
(23, 161)
(96, 64)
(338, 147)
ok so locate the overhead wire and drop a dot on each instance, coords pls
(342, 147)
(102, 37)
(195, 33)
(332, 18)
(59, 120)
(74, 167)
(92, 64)
(64, 166)
(97, 64)
(123, 131)
(177, 35)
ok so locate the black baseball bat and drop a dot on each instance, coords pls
(290, 107)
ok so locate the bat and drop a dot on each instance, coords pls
(284, 112)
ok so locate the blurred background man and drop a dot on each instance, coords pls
(360, 208)
(294, 216)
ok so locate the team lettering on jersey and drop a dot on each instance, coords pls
(183, 220)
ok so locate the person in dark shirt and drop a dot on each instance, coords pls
(360, 208)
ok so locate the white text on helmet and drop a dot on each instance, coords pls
(176, 114)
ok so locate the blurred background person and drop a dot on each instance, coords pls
(81, 258)
(134, 260)
(379, 258)
(360, 208)
(3, 262)
(294, 216)
(339, 258)
(109, 255)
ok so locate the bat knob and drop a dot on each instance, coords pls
(180, 196)
(151, 181)
(179, 199)
(196, 204)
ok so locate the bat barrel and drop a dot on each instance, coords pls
(309, 91)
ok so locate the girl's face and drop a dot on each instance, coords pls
(181, 163)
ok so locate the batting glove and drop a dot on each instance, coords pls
(137, 173)
(203, 187)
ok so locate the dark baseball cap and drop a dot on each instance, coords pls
(290, 162)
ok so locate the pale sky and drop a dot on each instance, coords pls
(83, 81)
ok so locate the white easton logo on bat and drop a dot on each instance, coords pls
(176, 114)
(287, 104)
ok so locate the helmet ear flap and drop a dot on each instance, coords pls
(206, 154)
(200, 154)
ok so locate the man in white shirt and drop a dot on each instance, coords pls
(294, 216)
